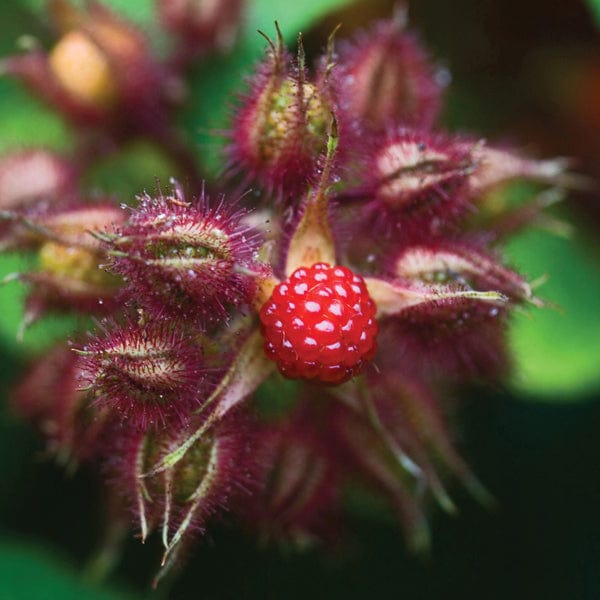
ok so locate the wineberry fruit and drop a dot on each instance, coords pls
(320, 324)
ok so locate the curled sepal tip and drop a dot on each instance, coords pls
(393, 298)
(248, 370)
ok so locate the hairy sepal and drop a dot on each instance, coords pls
(395, 297)
(248, 369)
(388, 468)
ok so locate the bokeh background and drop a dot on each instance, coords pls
(524, 72)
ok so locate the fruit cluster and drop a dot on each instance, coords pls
(366, 267)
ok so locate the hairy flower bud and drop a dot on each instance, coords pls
(99, 72)
(181, 498)
(386, 79)
(187, 258)
(51, 397)
(202, 25)
(29, 176)
(280, 129)
(148, 373)
(416, 174)
(299, 496)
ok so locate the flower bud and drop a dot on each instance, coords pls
(187, 258)
(72, 263)
(68, 278)
(147, 373)
(34, 70)
(280, 129)
(31, 182)
(70, 274)
(387, 79)
(100, 72)
(74, 225)
(50, 395)
(416, 175)
(202, 25)
(83, 70)
(181, 498)
(414, 181)
(299, 495)
(30, 176)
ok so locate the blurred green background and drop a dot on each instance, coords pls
(527, 73)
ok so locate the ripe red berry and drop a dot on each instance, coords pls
(320, 324)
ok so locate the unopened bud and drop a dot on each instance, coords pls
(101, 72)
(202, 24)
(34, 175)
(181, 498)
(84, 70)
(185, 257)
(387, 79)
(410, 166)
(148, 373)
(281, 127)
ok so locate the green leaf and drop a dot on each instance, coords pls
(139, 11)
(39, 336)
(32, 574)
(26, 122)
(131, 170)
(594, 6)
(558, 349)
(292, 16)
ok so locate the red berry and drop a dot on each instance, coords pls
(319, 324)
